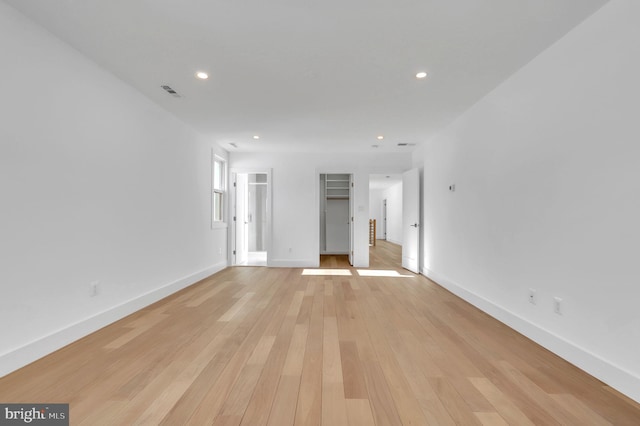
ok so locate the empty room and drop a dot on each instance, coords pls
(319, 213)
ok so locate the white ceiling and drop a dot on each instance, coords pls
(312, 75)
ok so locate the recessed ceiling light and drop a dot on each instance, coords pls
(202, 75)
(256, 137)
(421, 74)
(380, 137)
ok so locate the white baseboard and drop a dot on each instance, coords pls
(394, 241)
(24, 355)
(294, 263)
(616, 377)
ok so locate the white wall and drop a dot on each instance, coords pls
(393, 195)
(375, 211)
(547, 174)
(98, 184)
(295, 199)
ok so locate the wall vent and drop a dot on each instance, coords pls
(170, 91)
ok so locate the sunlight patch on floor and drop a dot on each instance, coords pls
(255, 258)
(381, 273)
(326, 272)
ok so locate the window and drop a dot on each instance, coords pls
(219, 188)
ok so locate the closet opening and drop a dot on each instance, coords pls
(336, 217)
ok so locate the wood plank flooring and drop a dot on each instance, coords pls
(261, 346)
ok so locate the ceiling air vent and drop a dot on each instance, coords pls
(406, 144)
(170, 91)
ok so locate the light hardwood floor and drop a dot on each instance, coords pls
(260, 346)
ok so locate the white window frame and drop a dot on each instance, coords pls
(218, 193)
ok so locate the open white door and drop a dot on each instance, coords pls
(411, 220)
(350, 220)
(240, 249)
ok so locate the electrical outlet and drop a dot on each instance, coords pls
(290, 249)
(94, 288)
(219, 250)
(532, 296)
(557, 305)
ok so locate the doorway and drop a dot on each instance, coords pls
(250, 236)
(336, 214)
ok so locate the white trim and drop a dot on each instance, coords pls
(617, 377)
(395, 242)
(289, 263)
(24, 355)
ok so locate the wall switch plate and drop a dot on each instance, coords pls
(94, 288)
(532, 296)
(557, 305)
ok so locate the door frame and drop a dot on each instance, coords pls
(231, 238)
(352, 222)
